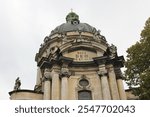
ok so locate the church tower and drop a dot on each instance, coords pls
(75, 62)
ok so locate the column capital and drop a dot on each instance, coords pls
(47, 75)
(64, 72)
(55, 69)
(110, 68)
(47, 79)
(102, 73)
(102, 70)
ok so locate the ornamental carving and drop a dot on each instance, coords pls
(65, 72)
(47, 74)
(38, 88)
(84, 83)
(54, 53)
(111, 69)
(102, 73)
(113, 51)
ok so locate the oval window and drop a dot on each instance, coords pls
(83, 82)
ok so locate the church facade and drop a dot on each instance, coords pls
(75, 62)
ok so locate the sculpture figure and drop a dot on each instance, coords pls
(38, 88)
(54, 53)
(17, 84)
(113, 51)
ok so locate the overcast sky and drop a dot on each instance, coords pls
(25, 23)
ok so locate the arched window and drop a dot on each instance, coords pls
(84, 95)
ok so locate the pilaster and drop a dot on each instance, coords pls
(104, 82)
(121, 89)
(47, 84)
(103, 74)
(64, 75)
(112, 82)
(55, 83)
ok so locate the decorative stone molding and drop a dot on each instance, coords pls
(84, 84)
(54, 53)
(84, 88)
(119, 74)
(101, 60)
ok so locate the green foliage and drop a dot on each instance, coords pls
(138, 65)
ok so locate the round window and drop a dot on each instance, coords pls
(75, 22)
(84, 82)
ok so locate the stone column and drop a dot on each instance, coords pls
(55, 84)
(100, 89)
(97, 88)
(47, 84)
(64, 75)
(104, 82)
(64, 88)
(113, 83)
(121, 89)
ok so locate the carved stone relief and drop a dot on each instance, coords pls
(65, 72)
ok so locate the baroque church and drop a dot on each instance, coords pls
(75, 62)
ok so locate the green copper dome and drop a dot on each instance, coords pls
(72, 17)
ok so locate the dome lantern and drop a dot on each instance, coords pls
(71, 17)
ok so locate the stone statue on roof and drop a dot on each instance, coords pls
(17, 84)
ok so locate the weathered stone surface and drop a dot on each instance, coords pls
(71, 51)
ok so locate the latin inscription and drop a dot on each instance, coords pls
(82, 56)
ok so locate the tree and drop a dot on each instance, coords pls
(138, 65)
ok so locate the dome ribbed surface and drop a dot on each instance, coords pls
(68, 27)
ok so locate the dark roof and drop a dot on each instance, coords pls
(68, 27)
(73, 24)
